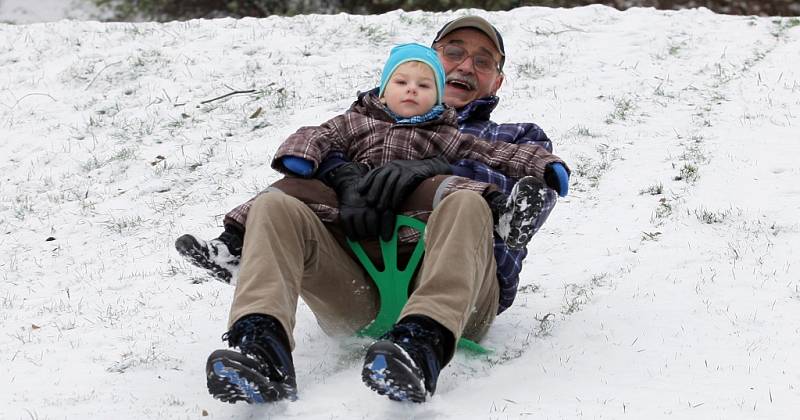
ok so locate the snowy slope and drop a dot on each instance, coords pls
(32, 11)
(665, 286)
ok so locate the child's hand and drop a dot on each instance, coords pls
(556, 177)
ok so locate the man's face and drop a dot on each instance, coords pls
(411, 89)
(463, 83)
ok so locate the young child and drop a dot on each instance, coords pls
(404, 120)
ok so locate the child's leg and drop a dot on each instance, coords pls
(219, 256)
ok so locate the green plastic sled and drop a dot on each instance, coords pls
(393, 282)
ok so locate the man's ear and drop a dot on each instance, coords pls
(497, 83)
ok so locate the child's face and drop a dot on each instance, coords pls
(411, 90)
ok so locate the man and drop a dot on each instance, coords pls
(464, 281)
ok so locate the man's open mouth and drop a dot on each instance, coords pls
(460, 84)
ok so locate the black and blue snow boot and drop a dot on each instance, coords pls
(404, 364)
(220, 256)
(515, 215)
(261, 371)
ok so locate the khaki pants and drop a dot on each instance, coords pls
(288, 253)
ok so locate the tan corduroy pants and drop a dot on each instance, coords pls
(288, 253)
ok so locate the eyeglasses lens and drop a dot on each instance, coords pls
(482, 62)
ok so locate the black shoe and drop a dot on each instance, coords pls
(215, 256)
(516, 217)
(261, 371)
(405, 363)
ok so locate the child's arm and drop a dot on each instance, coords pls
(302, 152)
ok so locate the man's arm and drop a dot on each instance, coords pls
(520, 133)
(511, 159)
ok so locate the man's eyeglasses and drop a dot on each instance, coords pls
(482, 62)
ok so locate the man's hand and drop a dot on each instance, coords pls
(556, 176)
(386, 187)
(358, 219)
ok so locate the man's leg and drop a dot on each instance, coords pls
(457, 282)
(287, 252)
(455, 293)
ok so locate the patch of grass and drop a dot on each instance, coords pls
(783, 25)
(688, 173)
(530, 69)
(92, 163)
(663, 210)
(126, 153)
(148, 357)
(694, 154)
(672, 50)
(124, 224)
(711, 217)
(622, 109)
(582, 131)
(575, 296)
(375, 34)
(278, 97)
(7, 301)
(530, 288)
(655, 189)
(22, 206)
(659, 91)
(651, 236)
(408, 19)
(593, 169)
(599, 280)
(546, 324)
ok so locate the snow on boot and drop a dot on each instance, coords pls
(404, 364)
(516, 217)
(262, 371)
(214, 256)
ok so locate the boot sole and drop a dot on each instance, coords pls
(190, 249)
(389, 371)
(528, 205)
(230, 379)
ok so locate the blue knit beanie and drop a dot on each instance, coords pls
(414, 52)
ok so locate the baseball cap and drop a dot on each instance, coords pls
(479, 23)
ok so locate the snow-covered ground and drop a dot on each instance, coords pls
(665, 286)
(32, 11)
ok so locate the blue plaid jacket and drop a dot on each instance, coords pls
(474, 119)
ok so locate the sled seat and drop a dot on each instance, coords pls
(392, 282)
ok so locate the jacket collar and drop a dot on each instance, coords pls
(369, 104)
(479, 109)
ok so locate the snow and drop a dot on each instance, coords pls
(32, 11)
(664, 286)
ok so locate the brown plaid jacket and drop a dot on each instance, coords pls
(367, 134)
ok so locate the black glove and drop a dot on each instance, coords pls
(388, 186)
(359, 220)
